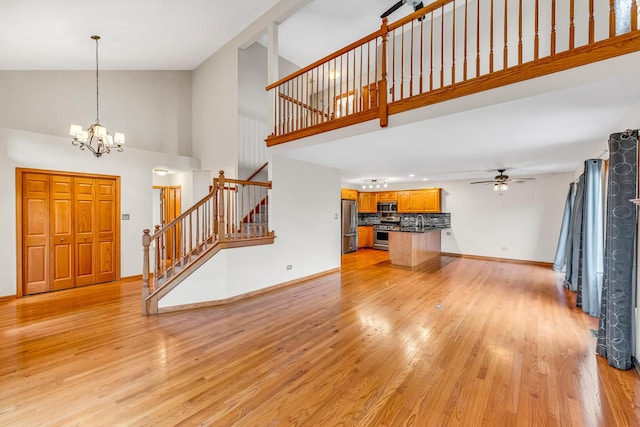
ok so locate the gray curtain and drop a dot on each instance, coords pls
(615, 331)
(574, 247)
(590, 281)
(560, 262)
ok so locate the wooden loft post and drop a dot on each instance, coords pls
(382, 94)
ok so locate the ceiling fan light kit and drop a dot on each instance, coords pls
(501, 181)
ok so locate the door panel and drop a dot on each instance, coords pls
(61, 216)
(171, 207)
(106, 230)
(70, 230)
(35, 233)
(85, 230)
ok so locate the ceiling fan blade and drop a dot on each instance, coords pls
(521, 179)
(483, 182)
(392, 9)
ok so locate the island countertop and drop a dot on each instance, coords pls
(409, 248)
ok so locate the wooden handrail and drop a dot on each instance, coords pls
(302, 104)
(429, 44)
(326, 59)
(419, 13)
(253, 175)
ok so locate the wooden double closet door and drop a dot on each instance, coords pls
(70, 230)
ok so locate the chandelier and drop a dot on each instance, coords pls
(96, 139)
(371, 183)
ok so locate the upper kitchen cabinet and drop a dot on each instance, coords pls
(432, 198)
(427, 200)
(387, 196)
(404, 201)
(367, 203)
(349, 194)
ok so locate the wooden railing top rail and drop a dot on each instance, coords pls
(183, 215)
(253, 175)
(418, 13)
(245, 182)
(329, 57)
(302, 104)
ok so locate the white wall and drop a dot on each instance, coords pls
(216, 98)
(152, 108)
(305, 206)
(526, 219)
(31, 150)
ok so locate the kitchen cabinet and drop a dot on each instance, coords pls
(432, 200)
(404, 201)
(348, 194)
(366, 203)
(365, 236)
(387, 196)
(427, 200)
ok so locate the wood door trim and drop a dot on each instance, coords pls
(20, 172)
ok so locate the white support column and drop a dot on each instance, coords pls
(272, 52)
(272, 67)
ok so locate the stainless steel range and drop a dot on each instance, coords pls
(381, 231)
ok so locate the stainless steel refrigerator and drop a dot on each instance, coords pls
(349, 226)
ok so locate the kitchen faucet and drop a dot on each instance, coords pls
(419, 221)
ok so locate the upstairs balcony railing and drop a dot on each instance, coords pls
(449, 48)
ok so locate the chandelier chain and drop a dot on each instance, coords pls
(97, 84)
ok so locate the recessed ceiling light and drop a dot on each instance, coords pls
(425, 179)
(411, 175)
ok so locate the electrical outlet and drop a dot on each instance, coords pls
(448, 233)
(504, 248)
(289, 266)
(125, 217)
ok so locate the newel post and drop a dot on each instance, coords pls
(221, 219)
(382, 91)
(146, 241)
(634, 15)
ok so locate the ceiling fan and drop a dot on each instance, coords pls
(417, 4)
(501, 181)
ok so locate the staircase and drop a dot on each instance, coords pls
(233, 214)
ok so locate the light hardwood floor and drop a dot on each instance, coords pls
(452, 342)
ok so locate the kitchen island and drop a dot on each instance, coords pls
(410, 246)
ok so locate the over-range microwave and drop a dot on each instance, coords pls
(387, 207)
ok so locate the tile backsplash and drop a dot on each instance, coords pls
(439, 220)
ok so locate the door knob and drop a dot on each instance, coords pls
(62, 240)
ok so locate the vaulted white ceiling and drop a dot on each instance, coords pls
(136, 34)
